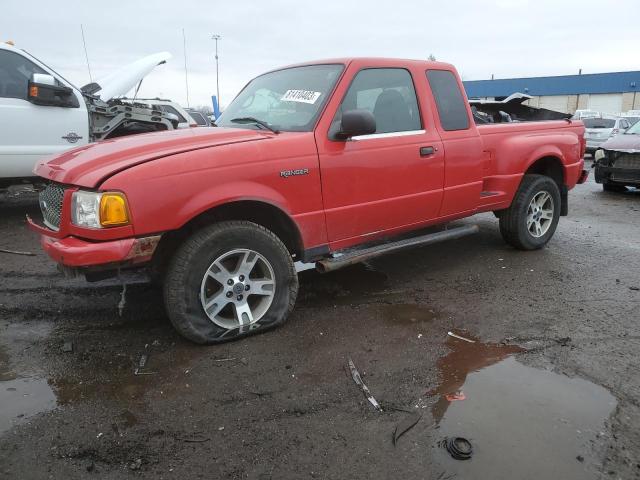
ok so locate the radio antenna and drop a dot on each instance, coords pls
(86, 55)
(186, 78)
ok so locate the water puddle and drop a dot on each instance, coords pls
(166, 373)
(523, 422)
(21, 397)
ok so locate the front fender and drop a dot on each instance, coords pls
(231, 192)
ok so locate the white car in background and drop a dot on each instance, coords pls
(42, 113)
(581, 114)
(599, 130)
(201, 119)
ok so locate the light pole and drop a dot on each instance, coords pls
(217, 37)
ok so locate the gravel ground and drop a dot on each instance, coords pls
(548, 389)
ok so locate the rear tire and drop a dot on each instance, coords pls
(240, 272)
(613, 187)
(531, 220)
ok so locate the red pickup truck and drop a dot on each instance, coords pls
(308, 161)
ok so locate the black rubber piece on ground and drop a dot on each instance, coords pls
(513, 221)
(459, 448)
(190, 262)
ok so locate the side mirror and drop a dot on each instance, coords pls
(356, 122)
(43, 90)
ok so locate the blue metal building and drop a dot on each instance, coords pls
(607, 92)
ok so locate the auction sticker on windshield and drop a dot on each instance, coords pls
(304, 96)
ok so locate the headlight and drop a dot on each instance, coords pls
(599, 155)
(99, 209)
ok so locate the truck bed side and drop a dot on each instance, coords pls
(513, 149)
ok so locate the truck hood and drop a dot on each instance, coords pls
(121, 81)
(90, 165)
(623, 143)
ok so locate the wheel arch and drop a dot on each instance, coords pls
(551, 166)
(260, 212)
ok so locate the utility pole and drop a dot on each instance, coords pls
(217, 37)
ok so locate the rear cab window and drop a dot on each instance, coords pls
(451, 104)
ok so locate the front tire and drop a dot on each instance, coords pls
(531, 220)
(229, 280)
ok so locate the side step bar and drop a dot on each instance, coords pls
(330, 264)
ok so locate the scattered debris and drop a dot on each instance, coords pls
(225, 359)
(564, 341)
(123, 299)
(419, 335)
(99, 435)
(220, 429)
(141, 364)
(451, 334)
(405, 425)
(143, 361)
(634, 288)
(195, 439)
(135, 465)
(456, 396)
(580, 458)
(458, 447)
(17, 252)
(358, 381)
(67, 347)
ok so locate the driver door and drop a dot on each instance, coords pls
(391, 179)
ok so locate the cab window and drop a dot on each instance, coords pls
(389, 94)
(15, 73)
(452, 106)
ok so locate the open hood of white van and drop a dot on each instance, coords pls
(118, 83)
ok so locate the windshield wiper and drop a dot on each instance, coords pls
(257, 121)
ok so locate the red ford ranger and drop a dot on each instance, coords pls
(307, 161)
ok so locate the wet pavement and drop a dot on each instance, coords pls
(547, 386)
(515, 415)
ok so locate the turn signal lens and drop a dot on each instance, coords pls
(113, 210)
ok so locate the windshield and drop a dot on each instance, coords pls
(599, 122)
(286, 100)
(634, 129)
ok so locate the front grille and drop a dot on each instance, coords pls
(51, 204)
(627, 160)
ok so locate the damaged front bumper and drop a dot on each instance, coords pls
(618, 167)
(624, 176)
(78, 256)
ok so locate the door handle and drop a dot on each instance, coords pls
(426, 151)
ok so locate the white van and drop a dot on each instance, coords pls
(42, 113)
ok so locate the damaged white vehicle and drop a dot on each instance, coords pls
(42, 113)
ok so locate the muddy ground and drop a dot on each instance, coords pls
(549, 388)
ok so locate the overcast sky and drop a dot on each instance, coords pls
(506, 38)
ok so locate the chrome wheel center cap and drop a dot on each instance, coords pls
(238, 288)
